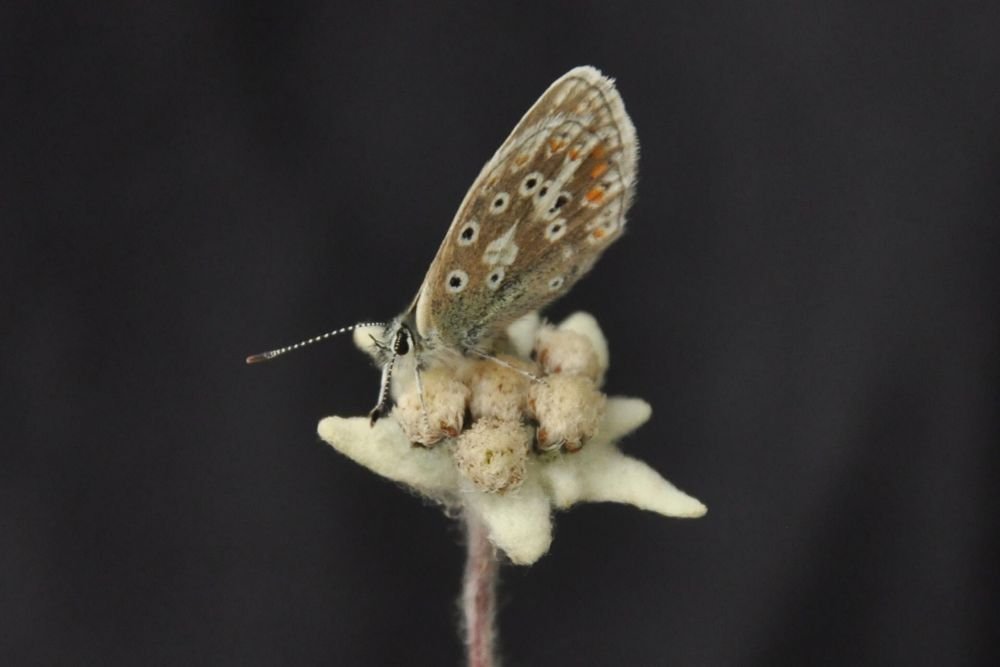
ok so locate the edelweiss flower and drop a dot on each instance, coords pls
(519, 516)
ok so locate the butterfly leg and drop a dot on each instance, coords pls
(420, 393)
(501, 362)
(400, 347)
(383, 392)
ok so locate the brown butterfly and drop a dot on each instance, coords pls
(537, 218)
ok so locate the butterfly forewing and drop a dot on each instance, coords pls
(539, 215)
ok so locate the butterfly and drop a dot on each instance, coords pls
(539, 215)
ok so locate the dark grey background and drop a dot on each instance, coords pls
(807, 295)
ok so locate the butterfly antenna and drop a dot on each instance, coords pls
(267, 356)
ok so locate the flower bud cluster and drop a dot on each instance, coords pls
(494, 413)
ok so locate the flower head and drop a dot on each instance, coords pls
(531, 446)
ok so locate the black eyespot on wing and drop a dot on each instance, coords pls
(495, 278)
(530, 182)
(555, 231)
(500, 203)
(456, 281)
(469, 233)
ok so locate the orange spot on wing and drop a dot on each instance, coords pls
(574, 154)
(598, 153)
(599, 170)
(598, 233)
(555, 145)
(520, 160)
(595, 195)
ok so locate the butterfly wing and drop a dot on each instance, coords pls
(540, 214)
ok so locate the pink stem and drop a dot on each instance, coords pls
(479, 594)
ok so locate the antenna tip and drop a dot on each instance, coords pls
(257, 358)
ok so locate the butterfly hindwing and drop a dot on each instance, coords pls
(540, 214)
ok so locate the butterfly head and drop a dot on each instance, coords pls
(396, 345)
(394, 340)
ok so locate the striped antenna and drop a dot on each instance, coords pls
(267, 356)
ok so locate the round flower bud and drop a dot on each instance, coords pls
(568, 409)
(442, 412)
(567, 352)
(498, 391)
(493, 454)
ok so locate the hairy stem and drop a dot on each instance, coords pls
(479, 594)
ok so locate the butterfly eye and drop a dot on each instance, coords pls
(556, 283)
(469, 233)
(530, 183)
(499, 204)
(495, 278)
(555, 231)
(456, 281)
